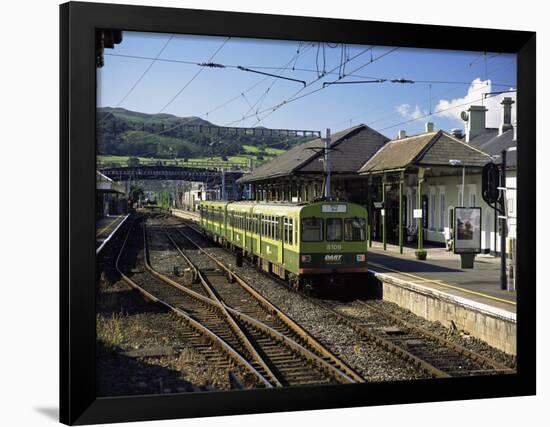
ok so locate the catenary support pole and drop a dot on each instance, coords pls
(327, 194)
(401, 214)
(503, 279)
(369, 210)
(419, 220)
(384, 211)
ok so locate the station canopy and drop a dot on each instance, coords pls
(352, 148)
(429, 150)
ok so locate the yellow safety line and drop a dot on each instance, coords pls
(441, 283)
(107, 226)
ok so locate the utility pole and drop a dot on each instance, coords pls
(503, 278)
(463, 184)
(327, 166)
(223, 185)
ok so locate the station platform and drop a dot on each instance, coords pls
(185, 214)
(105, 228)
(442, 271)
(439, 290)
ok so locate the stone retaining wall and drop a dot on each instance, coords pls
(494, 326)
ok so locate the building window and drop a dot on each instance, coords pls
(431, 217)
(441, 211)
(410, 209)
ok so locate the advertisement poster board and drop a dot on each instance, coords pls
(467, 230)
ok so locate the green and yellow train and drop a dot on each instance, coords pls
(308, 245)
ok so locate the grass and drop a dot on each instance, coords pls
(109, 331)
(267, 150)
(241, 159)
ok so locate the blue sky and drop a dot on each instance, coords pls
(386, 107)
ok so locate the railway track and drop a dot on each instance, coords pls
(431, 353)
(271, 350)
(205, 328)
(259, 315)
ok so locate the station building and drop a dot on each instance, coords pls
(421, 172)
(494, 141)
(298, 174)
(111, 198)
(448, 169)
(435, 171)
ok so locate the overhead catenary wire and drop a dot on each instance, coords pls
(258, 104)
(381, 119)
(295, 97)
(260, 67)
(290, 99)
(155, 59)
(482, 84)
(230, 100)
(430, 114)
(186, 85)
(140, 78)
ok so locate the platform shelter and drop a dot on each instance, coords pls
(427, 173)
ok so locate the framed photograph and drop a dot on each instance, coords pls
(266, 213)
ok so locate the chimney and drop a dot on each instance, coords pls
(402, 134)
(457, 133)
(475, 121)
(506, 122)
(429, 127)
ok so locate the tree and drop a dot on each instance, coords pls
(133, 162)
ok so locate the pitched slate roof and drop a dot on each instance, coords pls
(427, 149)
(352, 146)
(492, 143)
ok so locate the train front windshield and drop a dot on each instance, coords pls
(354, 229)
(312, 230)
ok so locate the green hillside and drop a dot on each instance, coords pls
(123, 133)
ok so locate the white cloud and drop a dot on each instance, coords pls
(407, 111)
(451, 109)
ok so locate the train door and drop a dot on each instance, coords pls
(279, 239)
(283, 237)
(260, 233)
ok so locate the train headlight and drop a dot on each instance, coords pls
(360, 257)
(306, 258)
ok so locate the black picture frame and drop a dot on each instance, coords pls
(78, 25)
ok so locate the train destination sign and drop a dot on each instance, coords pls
(467, 230)
(340, 208)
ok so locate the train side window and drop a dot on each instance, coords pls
(355, 229)
(290, 231)
(334, 229)
(312, 230)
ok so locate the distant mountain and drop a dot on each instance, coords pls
(132, 133)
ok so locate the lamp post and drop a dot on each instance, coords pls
(455, 162)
